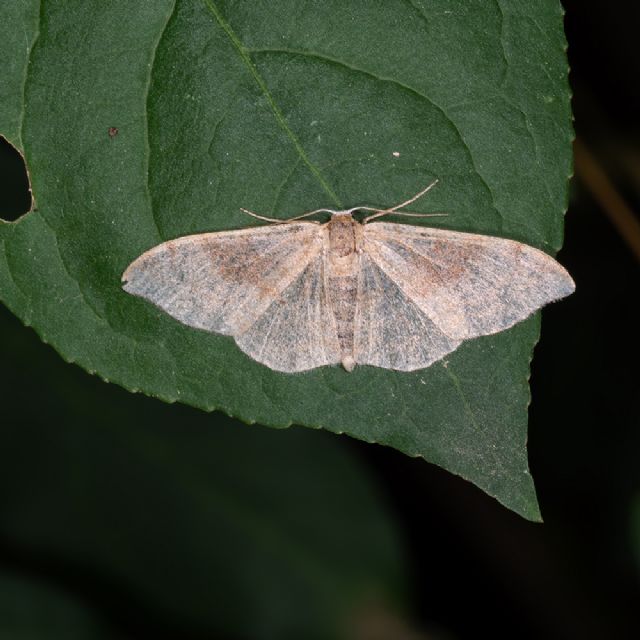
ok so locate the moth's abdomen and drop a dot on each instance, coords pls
(343, 294)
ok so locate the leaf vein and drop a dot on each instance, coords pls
(66, 269)
(243, 52)
(505, 71)
(419, 11)
(458, 387)
(25, 79)
(147, 146)
(17, 285)
(325, 58)
(282, 185)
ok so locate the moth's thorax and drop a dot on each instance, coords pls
(344, 242)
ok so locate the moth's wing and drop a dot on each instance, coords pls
(297, 331)
(224, 281)
(390, 329)
(467, 284)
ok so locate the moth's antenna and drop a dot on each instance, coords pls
(285, 220)
(255, 215)
(414, 198)
(409, 214)
(379, 213)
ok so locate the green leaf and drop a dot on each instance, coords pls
(282, 107)
(234, 530)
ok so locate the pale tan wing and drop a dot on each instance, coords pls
(390, 329)
(225, 281)
(467, 284)
(297, 331)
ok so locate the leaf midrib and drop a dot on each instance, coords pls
(277, 112)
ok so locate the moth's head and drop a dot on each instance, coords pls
(342, 220)
(348, 217)
(346, 214)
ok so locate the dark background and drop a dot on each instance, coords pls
(475, 569)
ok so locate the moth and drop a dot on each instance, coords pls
(300, 294)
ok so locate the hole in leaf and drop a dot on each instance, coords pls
(15, 195)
